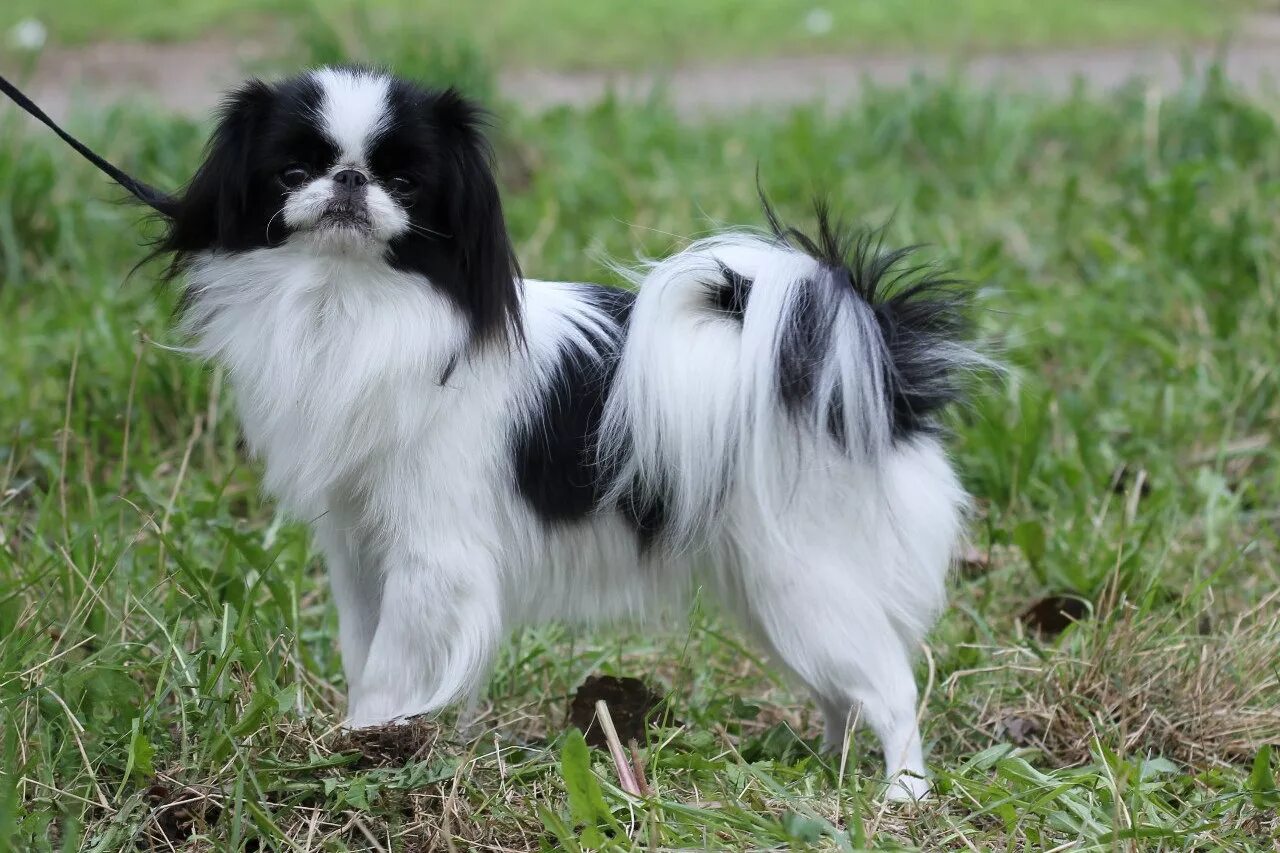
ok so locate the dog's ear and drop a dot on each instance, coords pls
(472, 214)
(212, 209)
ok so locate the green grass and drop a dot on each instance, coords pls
(574, 34)
(168, 671)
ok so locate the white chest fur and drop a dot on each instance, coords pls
(335, 363)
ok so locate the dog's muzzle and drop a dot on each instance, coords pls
(349, 207)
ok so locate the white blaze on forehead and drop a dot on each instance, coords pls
(353, 110)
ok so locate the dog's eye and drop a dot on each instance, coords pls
(403, 184)
(293, 177)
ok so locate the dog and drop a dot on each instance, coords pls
(476, 451)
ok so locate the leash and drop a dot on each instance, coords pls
(161, 202)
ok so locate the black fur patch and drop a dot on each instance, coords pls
(556, 464)
(234, 200)
(728, 295)
(801, 344)
(458, 235)
(647, 513)
(919, 313)
(449, 367)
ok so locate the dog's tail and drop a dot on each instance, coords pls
(752, 358)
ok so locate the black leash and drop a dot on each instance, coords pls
(161, 202)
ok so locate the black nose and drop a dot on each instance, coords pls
(351, 179)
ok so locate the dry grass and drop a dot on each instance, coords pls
(1196, 693)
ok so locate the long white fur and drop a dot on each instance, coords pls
(711, 412)
(834, 561)
(834, 557)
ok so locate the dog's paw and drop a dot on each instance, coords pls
(361, 722)
(906, 788)
(374, 710)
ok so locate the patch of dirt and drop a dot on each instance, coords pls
(177, 813)
(1021, 731)
(631, 702)
(392, 745)
(1149, 685)
(1053, 614)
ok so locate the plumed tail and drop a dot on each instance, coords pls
(871, 338)
(159, 201)
(751, 359)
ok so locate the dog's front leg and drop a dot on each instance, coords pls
(439, 624)
(355, 583)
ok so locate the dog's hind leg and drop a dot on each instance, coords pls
(844, 648)
(845, 580)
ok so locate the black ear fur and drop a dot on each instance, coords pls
(214, 209)
(473, 217)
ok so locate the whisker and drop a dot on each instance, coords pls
(422, 229)
(271, 220)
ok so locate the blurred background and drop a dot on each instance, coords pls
(1105, 172)
(712, 55)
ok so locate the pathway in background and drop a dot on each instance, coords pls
(189, 78)
(838, 80)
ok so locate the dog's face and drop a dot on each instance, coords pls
(318, 163)
(355, 163)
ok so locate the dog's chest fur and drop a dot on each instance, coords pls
(337, 368)
(355, 382)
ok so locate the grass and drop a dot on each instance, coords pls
(168, 673)
(573, 34)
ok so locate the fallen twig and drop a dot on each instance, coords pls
(626, 776)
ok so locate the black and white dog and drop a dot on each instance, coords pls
(478, 451)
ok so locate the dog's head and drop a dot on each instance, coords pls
(355, 163)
